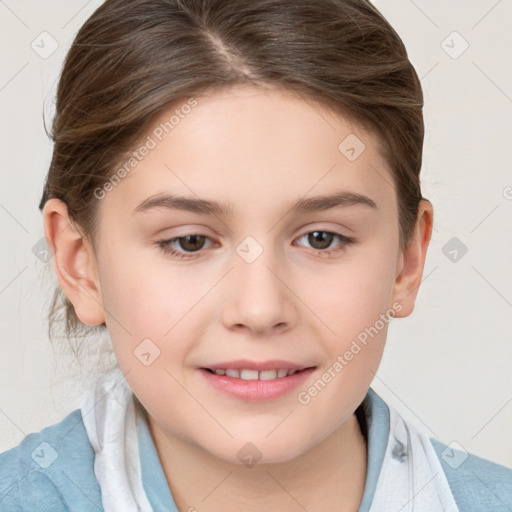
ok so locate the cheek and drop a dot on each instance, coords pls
(142, 294)
(353, 296)
(356, 316)
(153, 312)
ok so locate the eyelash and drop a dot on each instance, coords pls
(166, 245)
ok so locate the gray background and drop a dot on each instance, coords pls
(446, 368)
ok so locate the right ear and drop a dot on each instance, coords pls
(74, 262)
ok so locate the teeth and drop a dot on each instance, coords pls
(270, 374)
(246, 374)
(249, 374)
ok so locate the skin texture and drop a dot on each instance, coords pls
(259, 150)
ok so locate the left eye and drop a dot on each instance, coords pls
(324, 240)
(195, 242)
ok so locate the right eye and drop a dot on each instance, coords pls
(191, 243)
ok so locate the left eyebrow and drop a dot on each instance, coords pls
(206, 207)
(343, 198)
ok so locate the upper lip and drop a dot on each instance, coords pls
(244, 364)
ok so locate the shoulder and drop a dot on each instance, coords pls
(476, 483)
(50, 469)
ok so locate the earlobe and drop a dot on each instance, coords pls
(412, 260)
(74, 263)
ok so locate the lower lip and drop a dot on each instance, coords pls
(256, 390)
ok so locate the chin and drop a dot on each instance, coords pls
(259, 452)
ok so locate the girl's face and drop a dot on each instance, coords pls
(231, 238)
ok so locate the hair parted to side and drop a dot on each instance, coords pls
(132, 59)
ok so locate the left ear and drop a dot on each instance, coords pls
(412, 260)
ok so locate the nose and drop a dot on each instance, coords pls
(259, 299)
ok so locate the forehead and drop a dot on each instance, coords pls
(248, 146)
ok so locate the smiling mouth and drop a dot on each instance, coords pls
(248, 374)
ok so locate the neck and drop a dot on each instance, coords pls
(331, 476)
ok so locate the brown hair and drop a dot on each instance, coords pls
(134, 58)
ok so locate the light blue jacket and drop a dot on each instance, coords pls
(53, 470)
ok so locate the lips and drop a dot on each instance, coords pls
(256, 382)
